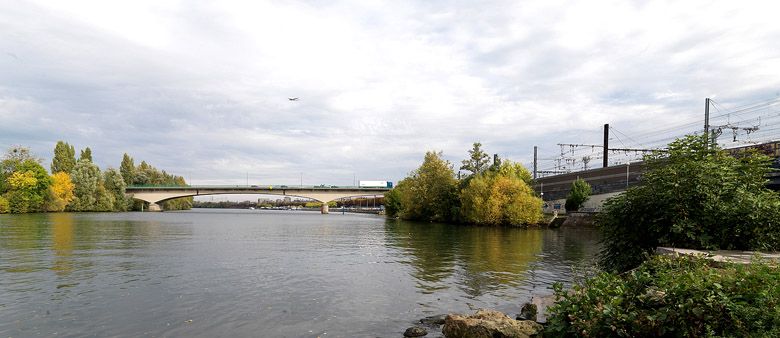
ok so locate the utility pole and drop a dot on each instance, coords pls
(628, 165)
(706, 121)
(247, 178)
(606, 145)
(535, 163)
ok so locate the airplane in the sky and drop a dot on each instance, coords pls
(292, 98)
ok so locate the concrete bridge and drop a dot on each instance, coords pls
(156, 194)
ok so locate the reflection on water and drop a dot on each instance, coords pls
(480, 260)
(252, 273)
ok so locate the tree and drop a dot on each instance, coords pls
(501, 197)
(579, 193)
(393, 200)
(4, 206)
(430, 192)
(64, 158)
(86, 179)
(478, 160)
(695, 196)
(115, 187)
(86, 154)
(61, 192)
(127, 168)
(12, 159)
(27, 187)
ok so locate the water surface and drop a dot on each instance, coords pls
(264, 273)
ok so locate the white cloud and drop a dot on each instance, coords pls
(201, 88)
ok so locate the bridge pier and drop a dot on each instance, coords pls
(324, 208)
(154, 207)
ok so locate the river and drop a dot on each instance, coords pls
(252, 273)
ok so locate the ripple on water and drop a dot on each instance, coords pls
(276, 274)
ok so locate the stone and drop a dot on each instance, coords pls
(488, 324)
(433, 320)
(415, 331)
(527, 312)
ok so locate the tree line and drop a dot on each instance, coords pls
(497, 193)
(75, 184)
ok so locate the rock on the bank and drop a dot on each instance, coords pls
(488, 324)
(415, 331)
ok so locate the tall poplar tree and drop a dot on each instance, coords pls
(86, 154)
(127, 169)
(86, 178)
(64, 158)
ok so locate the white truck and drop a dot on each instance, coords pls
(375, 184)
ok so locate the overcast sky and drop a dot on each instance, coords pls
(200, 88)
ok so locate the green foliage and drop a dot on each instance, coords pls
(696, 196)
(114, 185)
(127, 168)
(671, 297)
(580, 191)
(393, 200)
(86, 155)
(430, 192)
(478, 160)
(86, 179)
(12, 159)
(501, 197)
(28, 187)
(64, 158)
(4, 206)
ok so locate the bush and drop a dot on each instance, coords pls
(696, 196)
(580, 191)
(501, 197)
(671, 297)
(4, 207)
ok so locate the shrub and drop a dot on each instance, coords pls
(580, 191)
(671, 297)
(695, 196)
(4, 207)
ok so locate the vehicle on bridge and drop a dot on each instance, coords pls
(375, 184)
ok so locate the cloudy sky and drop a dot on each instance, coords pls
(200, 88)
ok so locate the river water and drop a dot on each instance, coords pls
(264, 273)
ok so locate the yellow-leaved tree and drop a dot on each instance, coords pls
(501, 197)
(60, 192)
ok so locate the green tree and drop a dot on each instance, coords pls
(64, 158)
(695, 196)
(478, 160)
(28, 187)
(104, 200)
(4, 206)
(86, 179)
(393, 200)
(579, 193)
(127, 168)
(430, 192)
(115, 187)
(12, 159)
(86, 154)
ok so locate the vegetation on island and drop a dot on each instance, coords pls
(490, 194)
(75, 185)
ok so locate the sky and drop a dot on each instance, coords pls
(200, 89)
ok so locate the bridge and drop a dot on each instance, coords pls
(322, 193)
